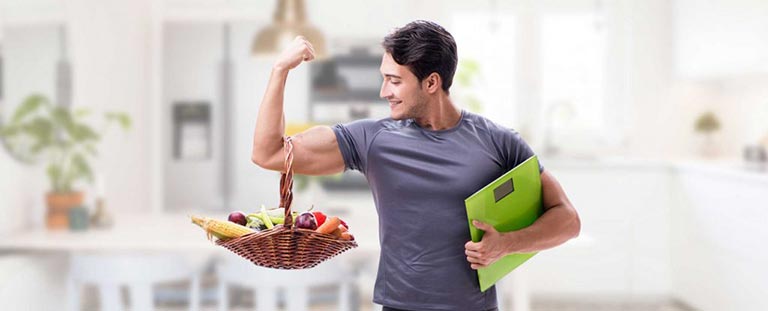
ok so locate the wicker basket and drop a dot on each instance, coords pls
(285, 246)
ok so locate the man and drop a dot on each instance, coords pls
(420, 164)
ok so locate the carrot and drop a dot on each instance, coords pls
(347, 236)
(337, 232)
(329, 225)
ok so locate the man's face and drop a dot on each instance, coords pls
(402, 90)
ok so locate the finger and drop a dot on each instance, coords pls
(474, 260)
(472, 246)
(309, 53)
(472, 253)
(483, 226)
(476, 266)
(312, 50)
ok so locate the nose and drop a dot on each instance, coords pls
(385, 92)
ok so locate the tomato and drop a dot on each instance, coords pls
(320, 217)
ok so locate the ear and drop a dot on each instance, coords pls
(432, 83)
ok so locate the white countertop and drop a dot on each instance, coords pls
(132, 233)
(175, 233)
(729, 168)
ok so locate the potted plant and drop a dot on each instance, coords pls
(59, 136)
(707, 124)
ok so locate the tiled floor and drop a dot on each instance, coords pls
(324, 301)
(545, 305)
(565, 305)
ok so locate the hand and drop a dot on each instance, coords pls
(490, 249)
(297, 51)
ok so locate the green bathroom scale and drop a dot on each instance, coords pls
(511, 202)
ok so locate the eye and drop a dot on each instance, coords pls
(395, 82)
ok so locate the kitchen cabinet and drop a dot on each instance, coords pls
(718, 38)
(623, 248)
(718, 241)
(661, 230)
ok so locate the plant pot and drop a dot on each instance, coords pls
(59, 204)
(707, 146)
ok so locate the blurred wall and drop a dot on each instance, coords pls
(112, 51)
(111, 57)
(35, 50)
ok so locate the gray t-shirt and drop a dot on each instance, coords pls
(419, 179)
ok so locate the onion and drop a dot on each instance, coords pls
(306, 221)
(238, 218)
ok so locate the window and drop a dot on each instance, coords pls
(544, 70)
(572, 72)
(485, 80)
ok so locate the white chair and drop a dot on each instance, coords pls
(137, 272)
(267, 283)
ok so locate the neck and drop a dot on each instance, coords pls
(441, 114)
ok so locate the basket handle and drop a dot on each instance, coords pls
(286, 182)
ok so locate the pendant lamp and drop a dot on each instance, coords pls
(290, 20)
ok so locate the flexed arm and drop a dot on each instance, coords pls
(316, 151)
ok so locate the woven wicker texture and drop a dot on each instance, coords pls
(285, 246)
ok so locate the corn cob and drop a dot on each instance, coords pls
(223, 230)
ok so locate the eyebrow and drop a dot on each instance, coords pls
(393, 76)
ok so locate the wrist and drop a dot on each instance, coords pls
(511, 242)
(280, 69)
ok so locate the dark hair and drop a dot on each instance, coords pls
(425, 47)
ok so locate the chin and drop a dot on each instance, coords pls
(397, 116)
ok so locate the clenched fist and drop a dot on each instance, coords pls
(297, 51)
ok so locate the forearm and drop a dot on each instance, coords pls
(270, 123)
(557, 225)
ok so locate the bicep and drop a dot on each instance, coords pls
(316, 152)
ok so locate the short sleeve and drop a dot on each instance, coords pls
(518, 149)
(354, 139)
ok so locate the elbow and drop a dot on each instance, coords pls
(265, 161)
(256, 160)
(576, 224)
(259, 160)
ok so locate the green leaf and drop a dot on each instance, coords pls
(468, 70)
(40, 129)
(10, 130)
(82, 133)
(91, 149)
(81, 112)
(63, 145)
(54, 174)
(474, 104)
(81, 168)
(121, 118)
(30, 105)
(62, 118)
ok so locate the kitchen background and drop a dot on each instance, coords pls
(652, 113)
